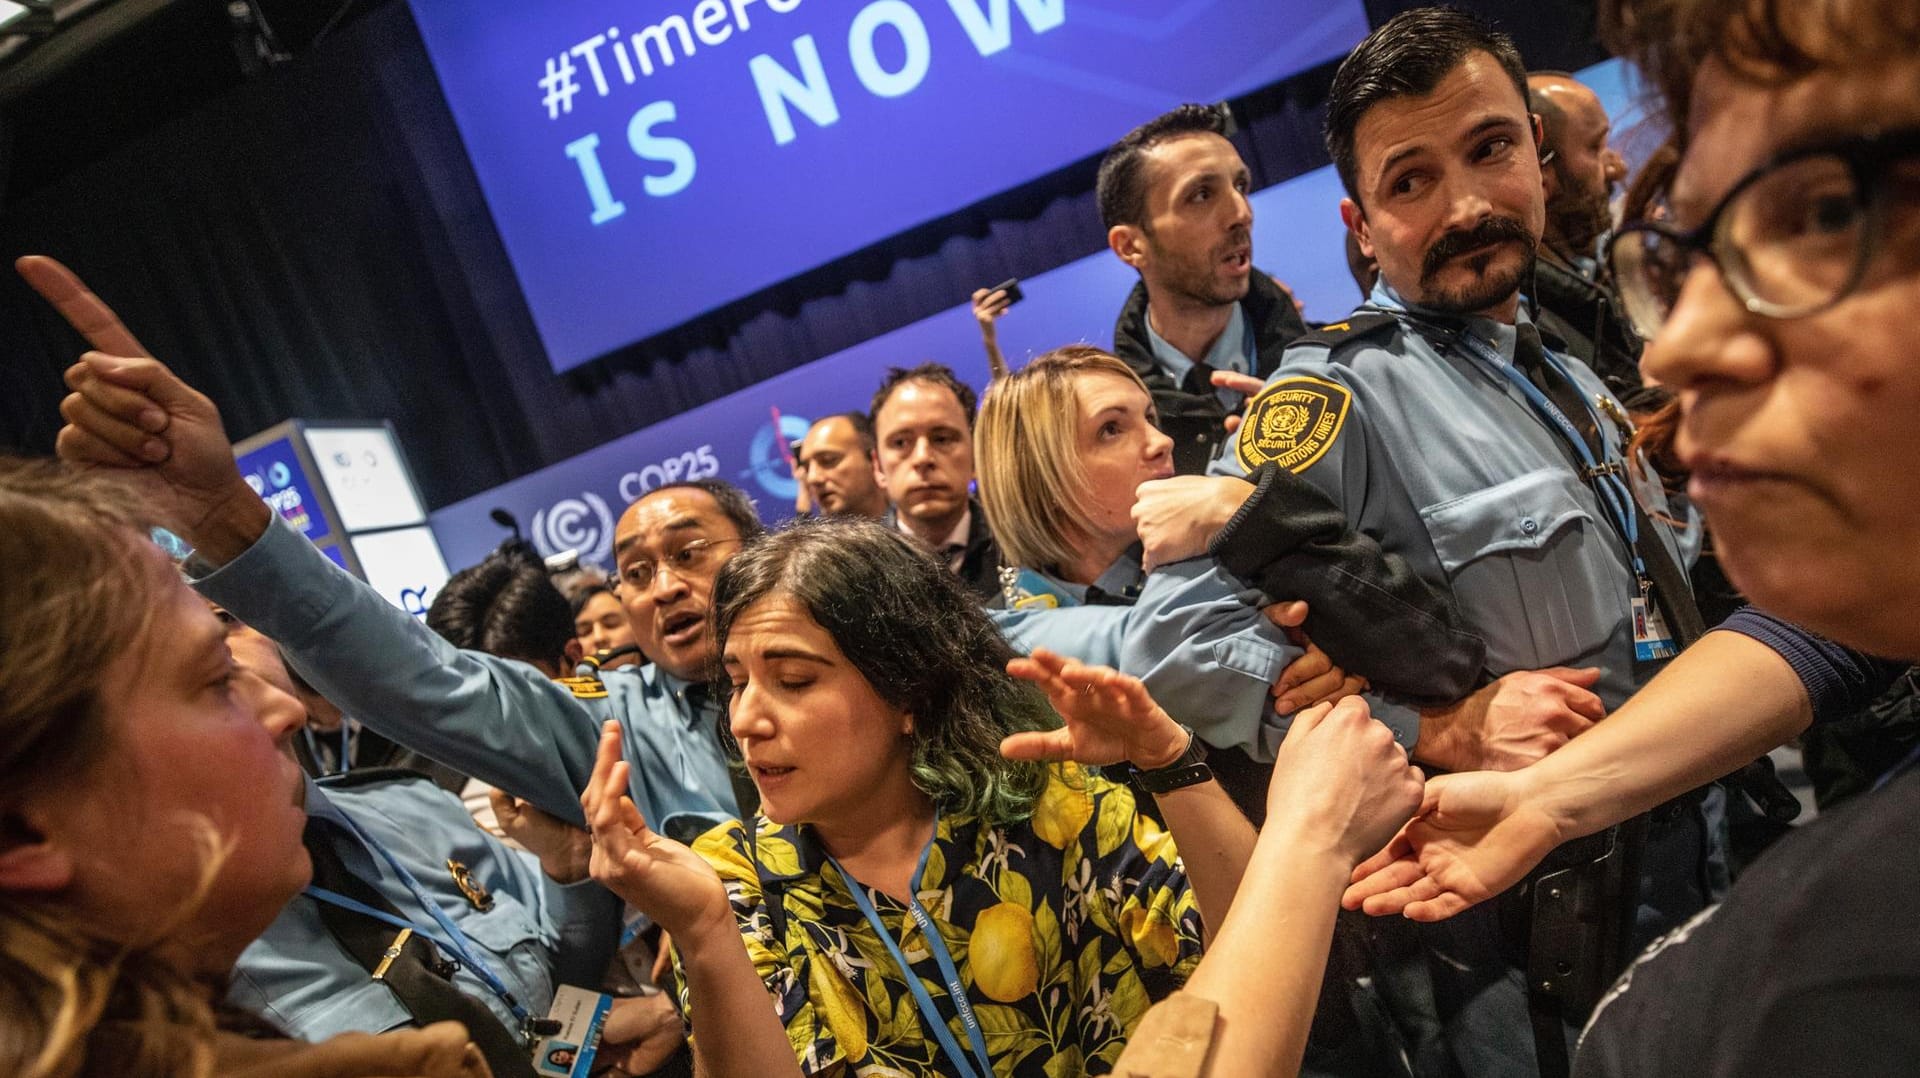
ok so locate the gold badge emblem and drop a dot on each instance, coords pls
(1292, 423)
(584, 688)
(470, 888)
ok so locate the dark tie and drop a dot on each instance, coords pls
(1670, 585)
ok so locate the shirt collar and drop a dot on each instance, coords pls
(1229, 351)
(1121, 580)
(955, 538)
(1499, 334)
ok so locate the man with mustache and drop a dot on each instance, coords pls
(1173, 195)
(1446, 431)
(1572, 299)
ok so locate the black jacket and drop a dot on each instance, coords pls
(1190, 411)
(980, 563)
(1587, 319)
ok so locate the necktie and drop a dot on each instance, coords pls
(1670, 585)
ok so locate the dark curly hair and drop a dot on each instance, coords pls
(923, 643)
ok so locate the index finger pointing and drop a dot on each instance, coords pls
(87, 313)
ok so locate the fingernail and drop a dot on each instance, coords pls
(153, 419)
(154, 450)
(1285, 705)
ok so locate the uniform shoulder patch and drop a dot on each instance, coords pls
(1292, 423)
(584, 688)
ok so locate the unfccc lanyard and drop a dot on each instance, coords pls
(1609, 483)
(450, 936)
(955, 990)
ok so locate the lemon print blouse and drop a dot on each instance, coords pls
(1065, 928)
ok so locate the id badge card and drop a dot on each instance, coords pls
(569, 1052)
(1652, 640)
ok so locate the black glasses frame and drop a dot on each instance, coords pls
(1867, 157)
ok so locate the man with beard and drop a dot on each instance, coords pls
(1572, 300)
(1173, 195)
(1493, 466)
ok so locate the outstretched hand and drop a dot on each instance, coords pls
(1109, 717)
(1477, 834)
(660, 877)
(129, 413)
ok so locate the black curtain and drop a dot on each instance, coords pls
(313, 243)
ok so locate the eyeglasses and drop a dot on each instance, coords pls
(692, 558)
(1793, 237)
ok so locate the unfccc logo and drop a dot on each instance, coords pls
(583, 524)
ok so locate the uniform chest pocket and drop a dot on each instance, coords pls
(1534, 569)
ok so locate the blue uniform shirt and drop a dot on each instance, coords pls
(1445, 463)
(1233, 351)
(501, 721)
(298, 975)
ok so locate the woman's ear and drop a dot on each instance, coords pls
(29, 861)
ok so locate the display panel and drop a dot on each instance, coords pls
(365, 477)
(648, 163)
(404, 566)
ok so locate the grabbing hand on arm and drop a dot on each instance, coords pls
(1177, 518)
(1479, 834)
(1313, 678)
(1511, 722)
(737, 1031)
(564, 851)
(128, 413)
(1109, 718)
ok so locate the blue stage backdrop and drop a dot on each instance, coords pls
(648, 163)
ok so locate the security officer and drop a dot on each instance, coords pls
(1443, 427)
(502, 721)
(414, 914)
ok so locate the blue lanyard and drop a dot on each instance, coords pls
(1610, 481)
(956, 991)
(450, 936)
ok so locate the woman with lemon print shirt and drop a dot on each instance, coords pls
(912, 900)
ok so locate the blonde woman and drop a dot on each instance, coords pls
(149, 829)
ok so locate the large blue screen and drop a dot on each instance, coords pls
(648, 162)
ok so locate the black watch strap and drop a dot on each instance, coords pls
(1189, 770)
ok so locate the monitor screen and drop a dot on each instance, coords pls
(648, 163)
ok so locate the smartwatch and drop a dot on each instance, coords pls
(1189, 770)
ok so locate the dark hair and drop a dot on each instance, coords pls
(504, 606)
(938, 374)
(1407, 56)
(862, 426)
(584, 595)
(733, 502)
(1763, 40)
(914, 633)
(1122, 187)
